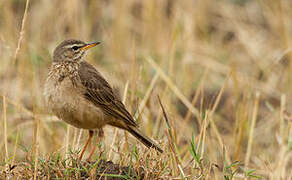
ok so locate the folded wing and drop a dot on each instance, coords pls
(99, 92)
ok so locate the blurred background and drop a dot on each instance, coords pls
(222, 69)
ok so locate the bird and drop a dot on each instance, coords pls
(77, 93)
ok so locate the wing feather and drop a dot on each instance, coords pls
(100, 93)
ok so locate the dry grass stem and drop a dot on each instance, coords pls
(22, 31)
(196, 96)
(78, 139)
(282, 112)
(67, 142)
(36, 149)
(116, 130)
(251, 131)
(15, 147)
(146, 96)
(171, 141)
(175, 90)
(213, 125)
(5, 127)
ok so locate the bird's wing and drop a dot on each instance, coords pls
(100, 93)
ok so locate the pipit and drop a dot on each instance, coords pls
(78, 94)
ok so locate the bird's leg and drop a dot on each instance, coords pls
(86, 144)
(99, 138)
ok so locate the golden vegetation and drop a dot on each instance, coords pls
(221, 68)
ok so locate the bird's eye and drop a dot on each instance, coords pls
(75, 48)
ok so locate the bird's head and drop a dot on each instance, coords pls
(72, 50)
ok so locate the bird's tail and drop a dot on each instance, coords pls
(143, 138)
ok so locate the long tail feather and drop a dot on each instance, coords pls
(144, 139)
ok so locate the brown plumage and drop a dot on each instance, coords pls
(78, 94)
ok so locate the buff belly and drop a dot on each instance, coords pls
(67, 103)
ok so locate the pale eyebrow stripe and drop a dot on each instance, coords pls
(70, 46)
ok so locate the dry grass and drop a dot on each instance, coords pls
(221, 68)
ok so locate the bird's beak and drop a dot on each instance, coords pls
(90, 45)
